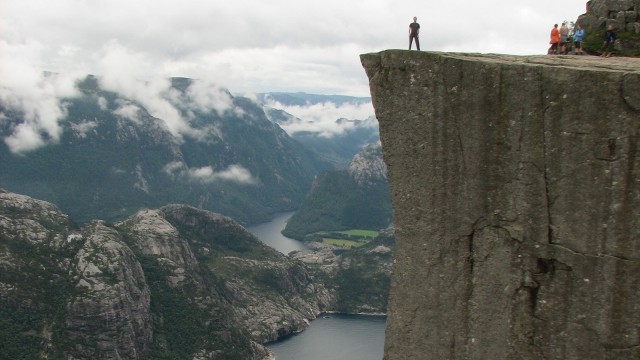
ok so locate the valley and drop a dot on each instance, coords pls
(127, 234)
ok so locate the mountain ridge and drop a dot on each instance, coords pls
(113, 157)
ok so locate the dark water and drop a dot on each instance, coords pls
(269, 233)
(338, 337)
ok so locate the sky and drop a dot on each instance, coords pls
(258, 45)
(245, 46)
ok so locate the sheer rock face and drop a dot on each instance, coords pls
(109, 315)
(367, 166)
(515, 184)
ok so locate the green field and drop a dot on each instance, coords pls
(361, 233)
(356, 234)
(347, 238)
(343, 243)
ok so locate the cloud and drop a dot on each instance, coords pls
(280, 45)
(234, 173)
(121, 70)
(128, 111)
(206, 96)
(326, 119)
(83, 128)
(38, 99)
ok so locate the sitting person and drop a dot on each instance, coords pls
(609, 42)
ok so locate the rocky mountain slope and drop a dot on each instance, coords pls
(175, 282)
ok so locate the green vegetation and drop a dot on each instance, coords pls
(181, 327)
(338, 202)
(19, 332)
(343, 243)
(364, 277)
(357, 233)
(344, 239)
(38, 300)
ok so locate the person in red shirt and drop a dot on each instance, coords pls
(555, 40)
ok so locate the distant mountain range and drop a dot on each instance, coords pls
(114, 157)
(337, 149)
(301, 99)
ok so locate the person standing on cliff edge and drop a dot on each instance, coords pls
(414, 31)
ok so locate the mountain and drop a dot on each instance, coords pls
(177, 282)
(356, 198)
(113, 157)
(358, 278)
(336, 148)
(171, 283)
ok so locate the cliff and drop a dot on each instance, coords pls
(515, 184)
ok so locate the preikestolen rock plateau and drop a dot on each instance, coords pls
(515, 184)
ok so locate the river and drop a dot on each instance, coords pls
(269, 233)
(329, 337)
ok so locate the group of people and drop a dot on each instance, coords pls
(560, 38)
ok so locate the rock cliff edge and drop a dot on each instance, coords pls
(515, 183)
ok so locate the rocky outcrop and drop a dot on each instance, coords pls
(367, 166)
(176, 282)
(623, 14)
(515, 183)
(108, 315)
(66, 292)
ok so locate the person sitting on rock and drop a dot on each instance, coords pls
(609, 41)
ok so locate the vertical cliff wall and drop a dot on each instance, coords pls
(515, 184)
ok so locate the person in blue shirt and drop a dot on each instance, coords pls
(609, 41)
(414, 31)
(578, 36)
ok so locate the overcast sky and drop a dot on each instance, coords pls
(260, 45)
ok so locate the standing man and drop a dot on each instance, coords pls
(414, 31)
(564, 38)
